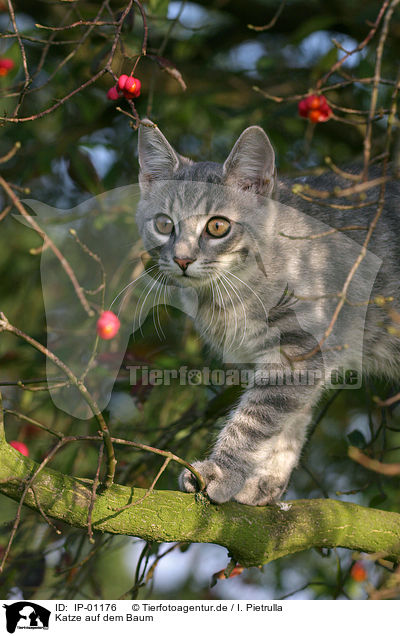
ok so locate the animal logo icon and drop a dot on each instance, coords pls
(26, 615)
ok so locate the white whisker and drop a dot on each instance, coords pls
(157, 300)
(252, 291)
(130, 284)
(154, 308)
(213, 308)
(165, 290)
(234, 313)
(138, 303)
(154, 282)
(234, 289)
(221, 298)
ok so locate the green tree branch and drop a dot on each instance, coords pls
(253, 536)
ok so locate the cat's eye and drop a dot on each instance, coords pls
(164, 224)
(218, 227)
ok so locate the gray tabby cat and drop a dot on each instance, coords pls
(264, 298)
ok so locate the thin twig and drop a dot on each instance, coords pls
(34, 422)
(4, 212)
(23, 55)
(272, 22)
(94, 491)
(101, 288)
(28, 484)
(390, 470)
(388, 401)
(79, 23)
(10, 154)
(149, 490)
(45, 517)
(145, 27)
(312, 237)
(358, 48)
(377, 76)
(63, 261)
(111, 461)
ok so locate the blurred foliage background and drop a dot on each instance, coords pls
(86, 147)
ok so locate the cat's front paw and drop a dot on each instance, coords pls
(260, 491)
(221, 483)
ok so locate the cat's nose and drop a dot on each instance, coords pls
(184, 262)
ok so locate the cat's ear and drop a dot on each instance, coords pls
(251, 163)
(157, 158)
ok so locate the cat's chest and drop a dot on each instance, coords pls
(230, 330)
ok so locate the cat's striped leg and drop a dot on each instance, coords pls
(258, 448)
(276, 459)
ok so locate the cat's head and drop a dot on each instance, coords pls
(198, 220)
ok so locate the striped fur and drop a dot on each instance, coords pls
(264, 298)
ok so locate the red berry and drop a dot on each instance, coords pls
(132, 88)
(314, 102)
(313, 115)
(108, 325)
(20, 447)
(6, 64)
(315, 108)
(358, 572)
(303, 108)
(138, 87)
(121, 81)
(130, 85)
(113, 93)
(325, 112)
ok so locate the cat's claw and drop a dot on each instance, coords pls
(221, 483)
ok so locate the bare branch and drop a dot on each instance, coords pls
(391, 470)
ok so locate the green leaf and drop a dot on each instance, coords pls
(327, 60)
(377, 500)
(82, 171)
